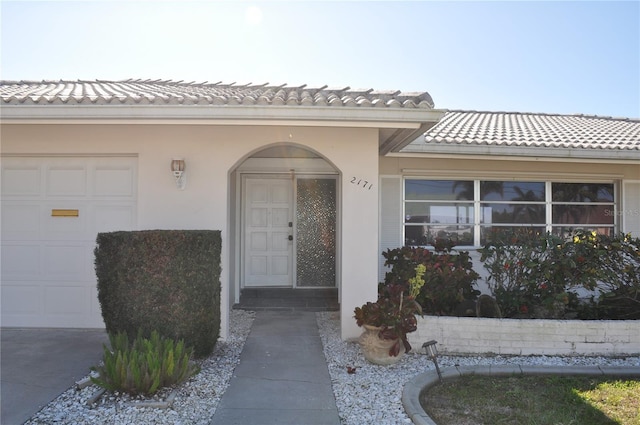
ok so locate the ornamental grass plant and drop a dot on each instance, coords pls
(144, 365)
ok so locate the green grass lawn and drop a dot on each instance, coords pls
(534, 400)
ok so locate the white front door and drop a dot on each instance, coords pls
(268, 231)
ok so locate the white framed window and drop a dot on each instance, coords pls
(435, 208)
(583, 205)
(509, 205)
(469, 212)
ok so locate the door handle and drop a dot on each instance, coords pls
(290, 237)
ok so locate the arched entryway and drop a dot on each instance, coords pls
(285, 209)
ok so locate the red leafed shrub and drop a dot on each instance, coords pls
(449, 276)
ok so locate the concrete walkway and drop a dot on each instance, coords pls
(40, 364)
(282, 377)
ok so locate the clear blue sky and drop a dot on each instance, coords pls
(540, 56)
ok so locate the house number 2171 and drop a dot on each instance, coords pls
(362, 183)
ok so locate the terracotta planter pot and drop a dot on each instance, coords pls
(376, 349)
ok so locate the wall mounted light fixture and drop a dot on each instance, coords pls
(178, 167)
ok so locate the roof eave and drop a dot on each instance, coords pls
(213, 112)
(527, 152)
(402, 138)
(402, 125)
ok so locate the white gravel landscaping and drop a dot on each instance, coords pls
(371, 395)
(195, 402)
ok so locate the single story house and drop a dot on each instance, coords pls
(308, 185)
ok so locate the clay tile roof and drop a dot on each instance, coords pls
(458, 131)
(166, 92)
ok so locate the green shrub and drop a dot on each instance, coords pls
(449, 278)
(539, 275)
(619, 296)
(143, 366)
(163, 280)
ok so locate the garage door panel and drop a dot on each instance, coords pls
(117, 182)
(66, 227)
(19, 298)
(67, 181)
(21, 261)
(64, 224)
(66, 262)
(111, 218)
(21, 221)
(66, 300)
(21, 181)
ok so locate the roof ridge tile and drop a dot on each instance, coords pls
(157, 91)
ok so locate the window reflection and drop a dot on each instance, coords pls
(581, 192)
(423, 212)
(512, 191)
(427, 235)
(582, 214)
(444, 190)
(495, 233)
(445, 208)
(565, 232)
(513, 213)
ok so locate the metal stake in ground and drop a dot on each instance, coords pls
(432, 351)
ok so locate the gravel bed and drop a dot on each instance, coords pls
(195, 402)
(369, 395)
(372, 395)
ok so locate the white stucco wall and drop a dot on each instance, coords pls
(211, 153)
(359, 163)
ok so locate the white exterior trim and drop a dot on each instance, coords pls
(629, 214)
(548, 155)
(228, 114)
(594, 177)
(390, 217)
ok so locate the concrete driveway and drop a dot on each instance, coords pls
(37, 365)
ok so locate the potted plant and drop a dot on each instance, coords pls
(387, 321)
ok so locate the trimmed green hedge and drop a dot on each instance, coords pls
(162, 280)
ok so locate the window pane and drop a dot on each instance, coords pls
(427, 212)
(512, 213)
(512, 191)
(583, 214)
(581, 192)
(437, 190)
(566, 231)
(426, 235)
(492, 233)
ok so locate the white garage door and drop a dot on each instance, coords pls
(52, 210)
